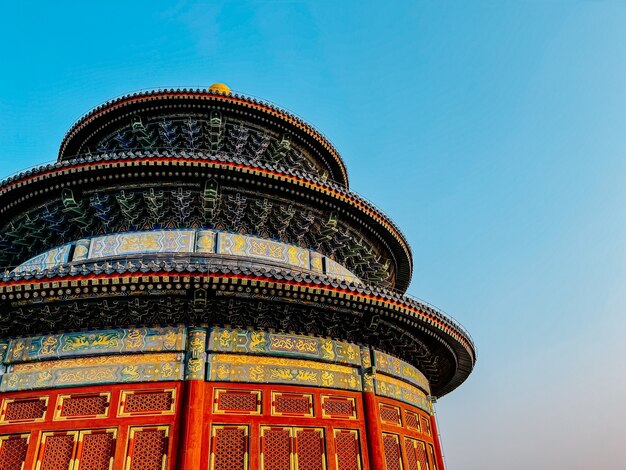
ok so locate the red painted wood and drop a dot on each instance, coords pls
(374, 431)
(437, 443)
(191, 436)
(190, 425)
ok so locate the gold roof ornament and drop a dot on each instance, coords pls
(220, 88)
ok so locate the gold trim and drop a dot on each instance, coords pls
(310, 414)
(355, 433)
(338, 416)
(7, 401)
(131, 435)
(216, 398)
(246, 429)
(61, 398)
(121, 413)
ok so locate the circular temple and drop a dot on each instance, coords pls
(193, 285)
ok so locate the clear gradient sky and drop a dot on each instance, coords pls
(493, 132)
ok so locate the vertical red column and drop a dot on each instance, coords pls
(373, 426)
(374, 431)
(435, 431)
(192, 439)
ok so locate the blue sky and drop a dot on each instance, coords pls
(493, 132)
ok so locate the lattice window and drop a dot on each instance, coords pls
(412, 420)
(231, 401)
(421, 456)
(147, 402)
(432, 457)
(390, 414)
(393, 454)
(96, 450)
(57, 451)
(13, 451)
(348, 456)
(338, 407)
(415, 455)
(26, 409)
(230, 448)
(83, 406)
(310, 453)
(425, 425)
(292, 404)
(148, 448)
(276, 448)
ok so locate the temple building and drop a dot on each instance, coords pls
(193, 285)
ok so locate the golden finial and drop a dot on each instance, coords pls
(220, 88)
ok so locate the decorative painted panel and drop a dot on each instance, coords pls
(336, 270)
(395, 367)
(235, 244)
(100, 342)
(54, 257)
(186, 241)
(259, 369)
(81, 250)
(155, 241)
(94, 370)
(402, 391)
(288, 345)
(205, 241)
(195, 362)
(317, 262)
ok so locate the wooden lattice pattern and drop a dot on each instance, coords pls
(425, 425)
(390, 414)
(393, 454)
(310, 449)
(149, 448)
(85, 405)
(433, 458)
(412, 420)
(237, 401)
(97, 451)
(276, 448)
(22, 410)
(347, 448)
(148, 402)
(338, 406)
(292, 404)
(230, 448)
(13, 452)
(421, 455)
(411, 455)
(58, 452)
